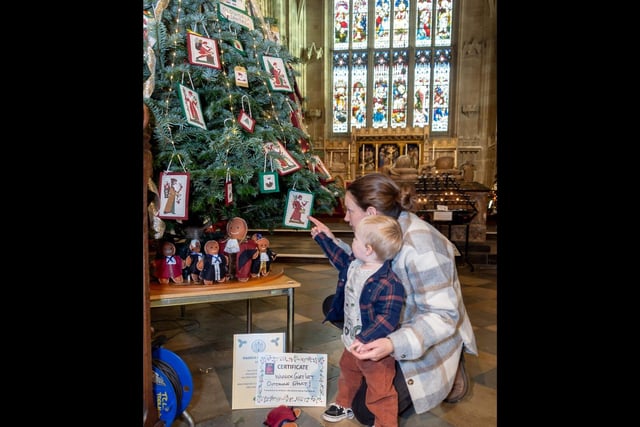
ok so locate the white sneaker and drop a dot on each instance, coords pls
(337, 413)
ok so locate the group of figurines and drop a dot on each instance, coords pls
(235, 257)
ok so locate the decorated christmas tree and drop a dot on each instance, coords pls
(228, 132)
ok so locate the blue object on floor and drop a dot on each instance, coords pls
(172, 384)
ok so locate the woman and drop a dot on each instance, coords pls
(434, 329)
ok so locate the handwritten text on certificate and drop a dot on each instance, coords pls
(293, 379)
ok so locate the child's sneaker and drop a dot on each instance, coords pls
(337, 413)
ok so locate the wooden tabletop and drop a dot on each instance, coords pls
(275, 280)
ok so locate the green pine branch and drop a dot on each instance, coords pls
(224, 147)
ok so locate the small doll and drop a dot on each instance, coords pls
(191, 262)
(239, 249)
(213, 265)
(169, 265)
(262, 258)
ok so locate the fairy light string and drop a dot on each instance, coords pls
(265, 82)
(174, 55)
(227, 79)
(213, 20)
(268, 34)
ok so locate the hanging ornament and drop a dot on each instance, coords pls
(236, 44)
(298, 209)
(237, 16)
(228, 189)
(316, 165)
(174, 198)
(245, 120)
(242, 78)
(278, 81)
(286, 162)
(203, 50)
(304, 145)
(191, 106)
(268, 180)
(296, 121)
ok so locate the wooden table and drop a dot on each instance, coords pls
(273, 285)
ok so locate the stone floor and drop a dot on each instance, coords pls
(202, 336)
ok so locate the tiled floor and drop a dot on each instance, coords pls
(202, 334)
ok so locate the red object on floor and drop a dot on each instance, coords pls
(282, 416)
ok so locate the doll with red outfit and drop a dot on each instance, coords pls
(238, 249)
(168, 265)
(213, 266)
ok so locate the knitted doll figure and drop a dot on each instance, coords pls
(191, 262)
(213, 266)
(262, 258)
(169, 265)
(238, 249)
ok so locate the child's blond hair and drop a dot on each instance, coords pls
(383, 233)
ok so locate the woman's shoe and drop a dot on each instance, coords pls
(460, 383)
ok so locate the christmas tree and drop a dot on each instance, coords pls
(226, 110)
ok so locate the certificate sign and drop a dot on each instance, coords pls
(246, 349)
(292, 379)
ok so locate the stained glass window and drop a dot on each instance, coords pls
(401, 23)
(380, 90)
(359, 89)
(399, 90)
(340, 93)
(395, 71)
(359, 33)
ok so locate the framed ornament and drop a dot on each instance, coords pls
(319, 168)
(203, 51)
(246, 120)
(191, 106)
(269, 182)
(278, 80)
(299, 207)
(240, 17)
(174, 195)
(237, 46)
(275, 34)
(228, 190)
(242, 78)
(285, 163)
